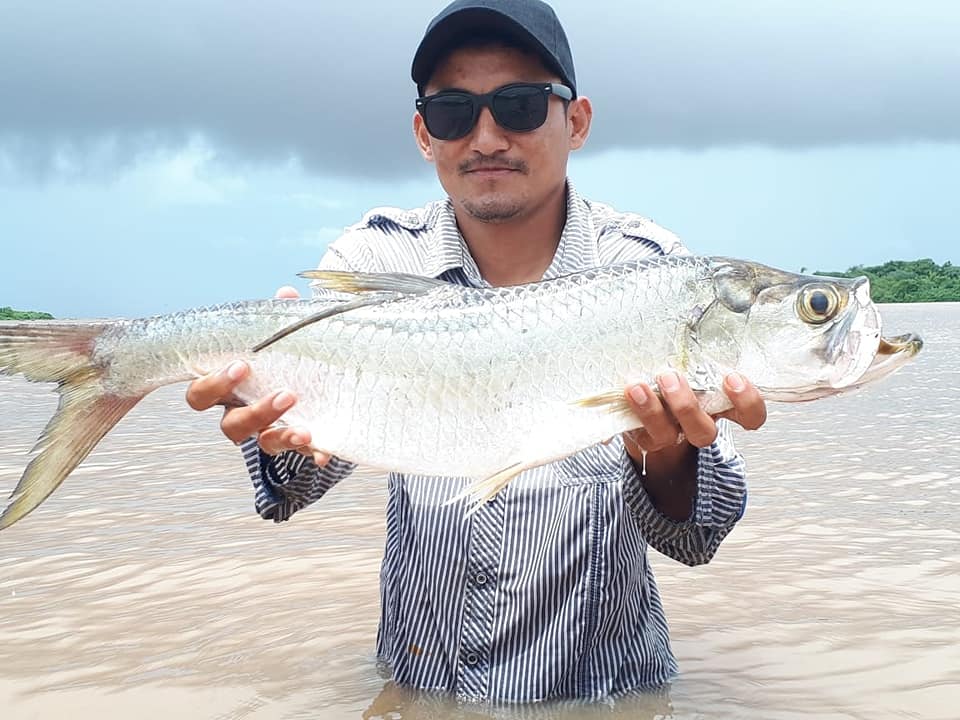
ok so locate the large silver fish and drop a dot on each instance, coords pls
(421, 376)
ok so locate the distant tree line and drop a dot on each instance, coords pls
(908, 281)
(7, 313)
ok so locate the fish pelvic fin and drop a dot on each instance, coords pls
(60, 353)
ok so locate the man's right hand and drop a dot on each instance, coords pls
(257, 419)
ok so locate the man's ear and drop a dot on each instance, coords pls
(422, 137)
(579, 117)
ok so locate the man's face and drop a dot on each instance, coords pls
(494, 174)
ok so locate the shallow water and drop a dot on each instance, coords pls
(147, 587)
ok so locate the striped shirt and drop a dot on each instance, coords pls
(545, 592)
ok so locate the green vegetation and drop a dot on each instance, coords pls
(908, 281)
(7, 313)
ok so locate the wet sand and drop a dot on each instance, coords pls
(147, 587)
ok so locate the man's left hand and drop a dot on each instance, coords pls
(674, 415)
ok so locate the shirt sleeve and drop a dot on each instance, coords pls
(290, 481)
(720, 502)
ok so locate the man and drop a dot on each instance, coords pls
(546, 591)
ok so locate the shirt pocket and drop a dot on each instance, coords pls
(599, 464)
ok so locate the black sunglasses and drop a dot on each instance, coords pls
(518, 107)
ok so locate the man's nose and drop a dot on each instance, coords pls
(488, 137)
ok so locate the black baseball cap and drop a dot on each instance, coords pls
(531, 23)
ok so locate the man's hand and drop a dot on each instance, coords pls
(240, 423)
(674, 425)
(676, 415)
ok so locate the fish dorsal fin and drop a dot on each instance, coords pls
(338, 309)
(373, 288)
(358, 282)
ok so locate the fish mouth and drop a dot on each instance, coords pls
(892, 354)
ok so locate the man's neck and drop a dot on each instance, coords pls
(517, 251)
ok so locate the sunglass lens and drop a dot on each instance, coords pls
(449, 116)
(520, 108)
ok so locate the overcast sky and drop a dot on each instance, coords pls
(159, 155)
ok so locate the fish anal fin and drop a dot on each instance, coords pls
(487, 489)
(357, 282)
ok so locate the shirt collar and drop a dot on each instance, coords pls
(577, 248)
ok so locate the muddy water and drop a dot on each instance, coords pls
(146, 587)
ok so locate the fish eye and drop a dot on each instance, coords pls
(818, 304)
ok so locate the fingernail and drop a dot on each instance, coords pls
(299, 439)
(320, 458)
(736, 382)
(235, 370)
(668, 382)
(284, 401)
(638, 395)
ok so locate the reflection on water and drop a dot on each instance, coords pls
(146, 587)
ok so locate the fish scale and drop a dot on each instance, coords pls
(420, 376)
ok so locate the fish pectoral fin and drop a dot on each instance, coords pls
(611, 401)
(329, 312)
(615, 402)
(358, 282)
(486, 489)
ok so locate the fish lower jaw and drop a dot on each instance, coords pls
(801, 394)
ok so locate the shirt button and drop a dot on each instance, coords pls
(472, 659)
(480, 578)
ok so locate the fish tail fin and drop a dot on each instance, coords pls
(62, 353)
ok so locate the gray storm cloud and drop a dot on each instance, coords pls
(97, 83)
